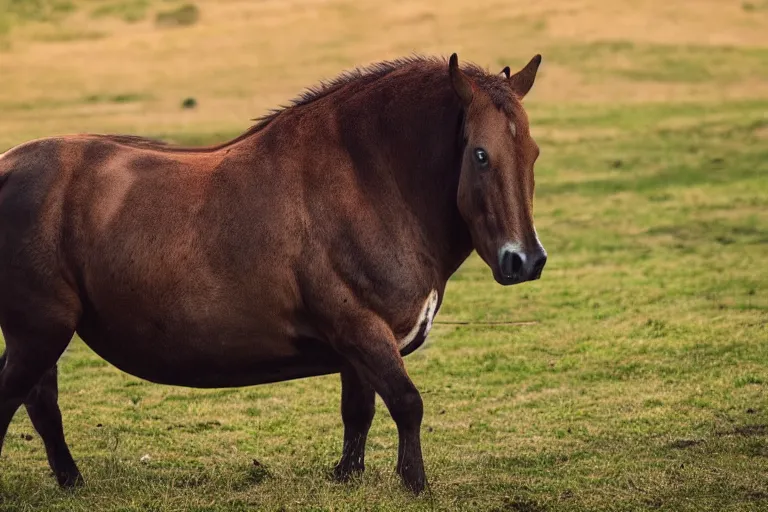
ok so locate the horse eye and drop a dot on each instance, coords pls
(481, 157)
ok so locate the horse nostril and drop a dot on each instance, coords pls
(511, 264)
(538, 266)
(517, 263)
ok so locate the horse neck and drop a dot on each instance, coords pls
(413, 143)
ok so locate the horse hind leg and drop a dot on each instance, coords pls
(43, 409)
(357, 410)
(28, 376)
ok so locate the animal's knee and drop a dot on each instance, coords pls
(44, 392)
(407, 408)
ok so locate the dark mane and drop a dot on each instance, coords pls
(493, 84)
(364, 74)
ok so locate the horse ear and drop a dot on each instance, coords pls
(505, 72)
(522, 81)
(461, 82)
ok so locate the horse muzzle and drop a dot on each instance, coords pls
(517, 266)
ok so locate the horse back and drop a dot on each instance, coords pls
(120, 223)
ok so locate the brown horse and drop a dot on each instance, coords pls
(319, 241)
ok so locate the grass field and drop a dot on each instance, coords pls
(641, 381)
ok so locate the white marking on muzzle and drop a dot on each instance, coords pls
(427, 314)
(516, 247)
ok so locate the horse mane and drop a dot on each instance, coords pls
(493, 84)
(360, 74)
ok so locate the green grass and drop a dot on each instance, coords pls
(186, 14)
(640, 383)
(129, 11)
(642, 386)
(664, 62)
(19, 12)
(90, 99)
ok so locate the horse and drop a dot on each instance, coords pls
(317, 242)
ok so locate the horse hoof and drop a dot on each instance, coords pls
(416, 486)
(413, 480)
(70, 480)
(346, 472)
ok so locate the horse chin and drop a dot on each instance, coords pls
(502, 280)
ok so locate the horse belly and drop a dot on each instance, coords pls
(207, 356)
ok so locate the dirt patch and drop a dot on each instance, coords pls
(750, 431)
(680, 444)
(745, 431)
(758, 496)
(520, 505)
(761, 133)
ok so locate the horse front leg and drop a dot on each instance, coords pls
(370, 346)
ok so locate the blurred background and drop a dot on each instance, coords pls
(127, 65)
(638, 377)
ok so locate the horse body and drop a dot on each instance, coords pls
(192, 271)
(318, 242)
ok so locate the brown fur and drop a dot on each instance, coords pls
(306, 246)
